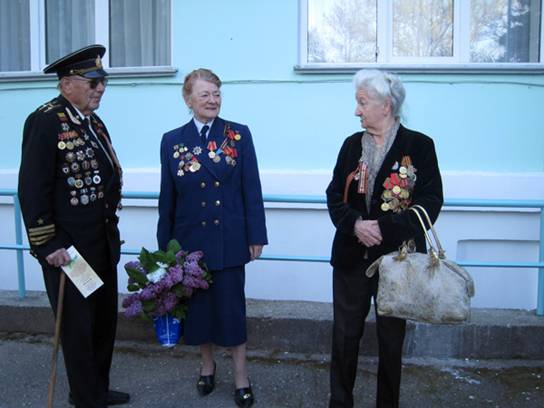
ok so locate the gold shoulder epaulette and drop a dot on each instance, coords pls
(48, 106)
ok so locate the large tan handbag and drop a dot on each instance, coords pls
(422, 287)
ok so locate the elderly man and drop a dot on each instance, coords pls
(69, 188)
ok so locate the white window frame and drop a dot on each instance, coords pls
(102, 36)
(385, 60)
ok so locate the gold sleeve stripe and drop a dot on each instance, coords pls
(38, 237)
(41, 240)
(41, 234)
(44, 228)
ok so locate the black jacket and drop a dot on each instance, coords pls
(69, 188)
(396, 225)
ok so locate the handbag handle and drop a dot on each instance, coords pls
(432, 251)
(441, 252)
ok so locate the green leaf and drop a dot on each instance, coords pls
(148, 305)
(137, 276)
(133, 287)
(178, 290)
(180, 311)
(171, 258)
(148, 261)
(173, 246)
(207, 276)
(164, 258)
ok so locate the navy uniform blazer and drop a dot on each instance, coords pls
(69, 189)
(395, 226)
(219, 207)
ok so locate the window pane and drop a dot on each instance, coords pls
(139, 33)
(69, 26)
(14, 35)
(422, 28)
(505, 30)
(342, 31)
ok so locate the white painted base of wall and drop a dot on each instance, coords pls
(294, 229)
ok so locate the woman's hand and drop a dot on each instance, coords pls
(58, 258)
(368, 232)
(255, 251)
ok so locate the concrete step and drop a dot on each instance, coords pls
(305, 328)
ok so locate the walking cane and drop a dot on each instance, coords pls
(53, 376)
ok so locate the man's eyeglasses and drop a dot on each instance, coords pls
(93, 83)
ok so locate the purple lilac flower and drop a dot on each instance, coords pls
(180, 255)
(137, 266)
(158, 287)
(165, 304)
(175, 274)
(128, 301)
(195, 256)
(194, 282)
(170, 301)
(193, 269)
(148, 293)
(134, 309)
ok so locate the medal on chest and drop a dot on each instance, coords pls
(227, 149)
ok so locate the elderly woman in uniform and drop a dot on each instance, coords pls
(211, 200)
(380, 172)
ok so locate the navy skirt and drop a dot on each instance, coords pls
(218, 314)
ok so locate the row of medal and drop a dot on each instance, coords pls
(75, 166)
(80, 167)
(76, 142)
(227, 148)
(86, 195)
(398, 186)
(188, 161)
(78, 180)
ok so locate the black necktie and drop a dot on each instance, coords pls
(203, 132)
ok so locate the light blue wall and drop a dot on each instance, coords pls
(488, 123)
(483, 124)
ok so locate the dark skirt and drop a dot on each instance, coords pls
(218, 314)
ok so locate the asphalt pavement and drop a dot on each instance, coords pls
(165, 378)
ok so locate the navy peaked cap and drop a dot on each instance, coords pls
(85, 62)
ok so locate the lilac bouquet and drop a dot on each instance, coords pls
(163, 281)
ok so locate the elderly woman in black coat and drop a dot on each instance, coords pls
(380, 172)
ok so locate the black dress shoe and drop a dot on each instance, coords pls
(114, 398)
(206, 383)
(118, 397)
(243, 397)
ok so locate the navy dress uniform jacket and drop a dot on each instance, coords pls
(211, 206)
(395, 226)
(68, 188)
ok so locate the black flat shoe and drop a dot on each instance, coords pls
(243, 397)
(206, 383)
(114, 398)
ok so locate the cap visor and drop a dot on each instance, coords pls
(99, 73)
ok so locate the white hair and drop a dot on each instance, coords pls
(384, 85)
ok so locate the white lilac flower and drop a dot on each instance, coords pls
(158, 274)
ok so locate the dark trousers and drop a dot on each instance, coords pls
(352, 292)
(87, 335)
